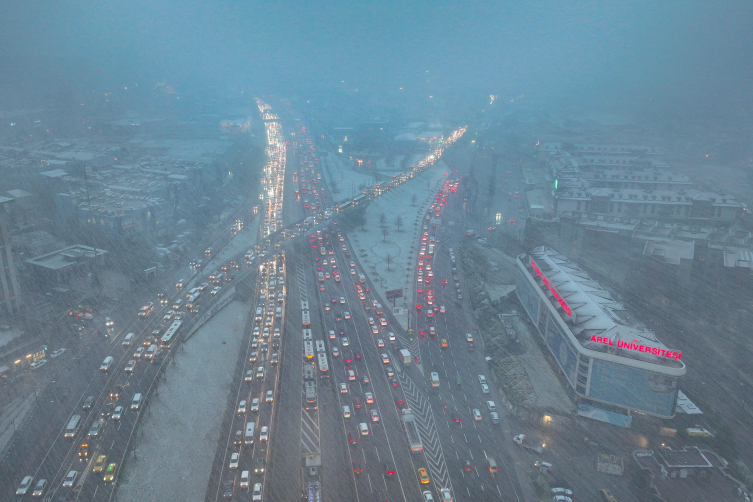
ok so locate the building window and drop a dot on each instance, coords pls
(653, 208)
(577, 206)
(687, 210)
(611, 207)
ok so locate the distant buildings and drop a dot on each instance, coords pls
(9, 289)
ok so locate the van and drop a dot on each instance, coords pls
(491, 406)
(346, 411)
(136, 403)
(278, 312)
(72, 428)
(244, 480)
(434, 379)
(250, 431)
(106, 363)
(151, 351)
(128, 338)
(492, 465)
(259, 312)
(361, 278)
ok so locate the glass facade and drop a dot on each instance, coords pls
(562, 350)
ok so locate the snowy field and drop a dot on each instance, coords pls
(338, 174)
(371, 246)
(177, 439)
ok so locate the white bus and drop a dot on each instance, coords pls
(73, 426)
(308, 350)
(306, 318)
(304, 305)
(323, 365)
(320, 346)
(307, 334)
(171, 334)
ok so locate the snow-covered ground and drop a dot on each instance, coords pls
(338, 174)
(177, 439)
(371, 246)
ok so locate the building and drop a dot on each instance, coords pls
(606, 355)
(688, 474)
(10, 292)
(66, 264)
(600, 153)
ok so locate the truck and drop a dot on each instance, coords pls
(525, 442)
(411, 429)
(405, 356)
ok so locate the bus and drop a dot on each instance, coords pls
(304, 305)
(310, 395)
(73, 426)
(320, 346)
(323, 365)
(307, 334)
(306, 318)
(193, 301)
(171, 334)
(308, 350)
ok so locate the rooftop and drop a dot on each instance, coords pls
(65, 257)
(598, 321)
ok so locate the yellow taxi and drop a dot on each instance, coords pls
(109, 476)
(444, 343)
(99, 464)
(423, 476)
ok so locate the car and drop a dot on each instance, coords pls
(109, 322)
(327, 306)
(385, 358)
(468, 337)
(259, 467)
(484, 388)
(383, 321)
(361, 296)
(117, 413)
(389, 469)
(428, 497)
(274, 359)
(394, 382)
(131, 364)
(249, 376)
(255, 343)
(39, 488)
(342, 300)
(234, 459)
(446, 495)
(471, 346)
(365, 379)
(256, 495)
(88, 403)
(255, 404)
(423, 475)
(227, 490)
(264, 347)
(94, 429)
(270, 396)
(57, 353)
(443, 343)
(442, 310)
(253, 356)
(346, 314)
(369, 398)
(477, 414)
(375, 330)
(374, 415)
(99, 463)
(543, 466)
(363, 428)
(168, 316)
(242, 406)
(332, 335)
(110, 472)
(25, 485)
(70, 479)
(345, 341)
(561, 491)
(380, 343)
(215, 290)
(432, 331)
(351, 375)
(481, 379)
(371, 321)
(335, 352)
(390, 371)
(343, 388)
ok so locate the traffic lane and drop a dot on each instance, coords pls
(363, 413)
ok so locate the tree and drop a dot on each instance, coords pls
(399, 221)
(388, 259)
(413, 199)
(382, 218)
(384, 234)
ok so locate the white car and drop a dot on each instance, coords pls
(369, 398)
(383, 321)
(215, 290)
(346, 314)
(446, 495)
(257, 492)
(345, 341)
(55, 354)
(234, 459)
(371, 321)
(255, 404)
(335, 352)
(70, 479)
(242, 406)
(343, 388)
(249, 376)
(374, 415)
(139, 352)
(442, 310)
(468, 337)
(477, 414)
(363, 428)
(131, 364)
(25, 485)
(375, 330)
(380, 343)
(117, 413)
(264, 434)
(428, 497)
(270, 396)
(385, 359)
(351, 375)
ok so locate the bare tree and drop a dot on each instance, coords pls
(382, 218)
(388, 259)
(413, 199)
(384, 234)
(399, 221)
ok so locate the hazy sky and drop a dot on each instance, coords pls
(691, 50)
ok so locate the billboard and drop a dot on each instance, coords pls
(561, 348)
(394, 293)
(633, 388)
(528, 296)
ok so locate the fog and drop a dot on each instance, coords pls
(633, 54)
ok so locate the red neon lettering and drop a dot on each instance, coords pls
(551, 289)
(634, 345)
